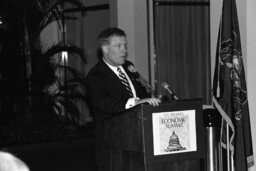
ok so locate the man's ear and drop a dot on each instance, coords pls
(105, 48)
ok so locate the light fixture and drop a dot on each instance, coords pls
(64, 56)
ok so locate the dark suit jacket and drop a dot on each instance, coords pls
(107, 95)
(107, 98)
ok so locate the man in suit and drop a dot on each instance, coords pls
(109, 92)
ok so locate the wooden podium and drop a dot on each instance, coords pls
(135, 138)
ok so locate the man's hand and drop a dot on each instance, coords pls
(152, 101)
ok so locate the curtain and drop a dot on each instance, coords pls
(182, 47)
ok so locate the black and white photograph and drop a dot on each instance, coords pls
(127, 85)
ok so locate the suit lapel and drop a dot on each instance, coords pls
(108, 72)
(112, 80)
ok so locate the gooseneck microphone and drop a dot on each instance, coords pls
(166, 87)
(147, 86)
(141, 80)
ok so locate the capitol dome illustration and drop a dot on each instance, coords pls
(174, 143)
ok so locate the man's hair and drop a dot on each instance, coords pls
(106, 35)
(9, 162)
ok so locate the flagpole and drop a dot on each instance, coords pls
(220, 155)
(232, 164)
(228, 148)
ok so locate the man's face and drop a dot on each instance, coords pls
(115, 52)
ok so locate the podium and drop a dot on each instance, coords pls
(168, 137)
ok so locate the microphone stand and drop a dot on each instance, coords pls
(142, 81)
(166, 86)
(151, 90)
(147, 86)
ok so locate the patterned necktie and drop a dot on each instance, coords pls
(124, 81)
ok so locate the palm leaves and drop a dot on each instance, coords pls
(36, 68)
(54, 10)
(62, 94)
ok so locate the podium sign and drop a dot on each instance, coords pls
(166, 137)
(174, 132)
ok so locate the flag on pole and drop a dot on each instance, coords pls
(230, 92)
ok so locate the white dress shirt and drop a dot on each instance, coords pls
(131, 101)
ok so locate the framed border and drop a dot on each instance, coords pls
(174, 132)
(180, 105)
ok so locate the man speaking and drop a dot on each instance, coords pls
(112, 87)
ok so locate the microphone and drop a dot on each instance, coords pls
(141, 80)
(166, 86)
(132, 69)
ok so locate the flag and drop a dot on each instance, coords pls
(230, 92)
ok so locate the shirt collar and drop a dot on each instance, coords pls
(113, 68)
